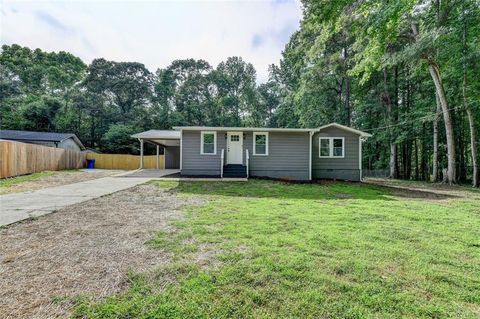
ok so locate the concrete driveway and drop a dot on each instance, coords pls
(20, 206)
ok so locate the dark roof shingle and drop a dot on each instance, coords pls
(38, 136)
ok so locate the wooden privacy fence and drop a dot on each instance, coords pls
(20, 158)
(123, 161)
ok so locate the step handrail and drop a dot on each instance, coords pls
(222, 155)
(247, 159)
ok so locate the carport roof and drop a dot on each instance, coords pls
(158, 134)
(161, 137)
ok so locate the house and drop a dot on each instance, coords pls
(67, 141)
(332, 151)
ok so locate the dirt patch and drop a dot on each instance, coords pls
(87, 248)
(426, 191)
(57, 179)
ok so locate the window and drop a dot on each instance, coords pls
(260, 143)
(337, 147)
(208, 143)
(332, 147)
(324, 147)
(234, 138)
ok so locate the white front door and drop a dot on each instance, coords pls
(234, 147)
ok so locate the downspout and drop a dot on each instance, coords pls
(181, 151)
(310, 155)
(360, 141)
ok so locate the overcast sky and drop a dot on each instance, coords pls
(154, 32)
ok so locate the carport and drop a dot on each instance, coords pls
(168, 140)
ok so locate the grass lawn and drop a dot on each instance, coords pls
(266, 249)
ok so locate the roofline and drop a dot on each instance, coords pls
(59, 140)
(346, 128)
(77, 140)
(140, 135)
(267, 129)
(74, 137)
(241, 129)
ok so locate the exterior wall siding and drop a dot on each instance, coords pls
(194, 163)
(69, 144)
(288, 155)
(346, 168)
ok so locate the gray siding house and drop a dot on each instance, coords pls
(68, 141)
(332, 151)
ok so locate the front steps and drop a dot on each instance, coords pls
(234, 171)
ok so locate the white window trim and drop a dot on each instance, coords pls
(331, 146)
(214, 142)
(266, 143)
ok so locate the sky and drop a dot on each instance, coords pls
(154, 32)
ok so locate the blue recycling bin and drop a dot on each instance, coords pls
(91, 163)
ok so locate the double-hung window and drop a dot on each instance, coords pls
(208, 143)
(260, 143)
(331, 147)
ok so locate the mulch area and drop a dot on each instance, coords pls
(84, 249)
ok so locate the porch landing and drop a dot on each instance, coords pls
(174, 175)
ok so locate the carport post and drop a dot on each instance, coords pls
(158, 156)
(141, 153)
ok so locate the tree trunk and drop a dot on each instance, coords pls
(435, 141)
(347, 89)
(417, 176)
(437, 79)
(473, 142)
(424, 163)
(470, 116)
(388, 105)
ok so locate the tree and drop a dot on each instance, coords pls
(127, 85)
(118, 140)
(39, 115)
(235, 82)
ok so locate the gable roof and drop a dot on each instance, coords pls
(346, 128)
(15, 135)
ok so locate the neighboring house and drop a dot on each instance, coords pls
(67, 141)
(332, 151)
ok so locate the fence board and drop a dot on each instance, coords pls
(21, 158)
(125, 161)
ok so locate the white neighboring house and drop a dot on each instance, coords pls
(68, 141)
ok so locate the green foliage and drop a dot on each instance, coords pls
(118, 140)
(39, 115)
(276, 250)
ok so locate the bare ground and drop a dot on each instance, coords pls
(58, 178)
(88, 248)
(424, 190)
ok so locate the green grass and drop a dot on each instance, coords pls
(8, 182)
(309, 251)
